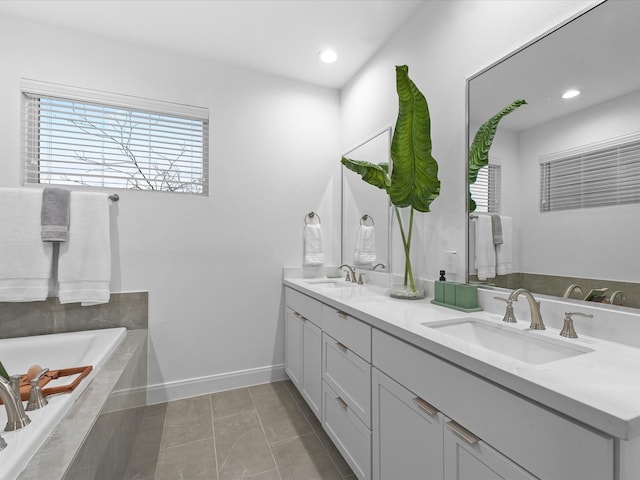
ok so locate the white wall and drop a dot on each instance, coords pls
(443, 45)
(212, 264)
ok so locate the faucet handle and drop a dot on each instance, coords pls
(36, 399)
(509, 314)
(567, 329)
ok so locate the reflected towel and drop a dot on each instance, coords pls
(504, 251)
(25, 261)
(365, 251)
(496, 228)
(485, 249)
(84, 265)
(55, 215)
(312, 245)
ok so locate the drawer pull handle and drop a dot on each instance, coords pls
(427, 407)
(463, 433)
(342, 403)
(342, 314)
(299, 316)
(342, 346)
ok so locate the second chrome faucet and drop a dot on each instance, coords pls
(534, 306)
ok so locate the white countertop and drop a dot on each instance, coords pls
(600, 388)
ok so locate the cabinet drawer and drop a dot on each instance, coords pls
(349, 375)
(347, 330)
(548, 445)
(306, 306)
(348, 433)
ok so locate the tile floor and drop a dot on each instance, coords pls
(264, 432)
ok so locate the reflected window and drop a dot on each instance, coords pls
(486, 189)
(596, 176)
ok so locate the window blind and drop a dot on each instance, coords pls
(604, 174)
(486, 189)
(111, 143)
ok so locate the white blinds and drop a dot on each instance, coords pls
(486, 189)
(113, 145)
(604, 175)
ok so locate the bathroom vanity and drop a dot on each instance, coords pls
(408, 389)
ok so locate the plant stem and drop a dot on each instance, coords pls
(406, 243)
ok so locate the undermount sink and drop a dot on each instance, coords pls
(524, 345)
(328, 283)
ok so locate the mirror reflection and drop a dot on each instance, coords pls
(365, 209)
(568, 180)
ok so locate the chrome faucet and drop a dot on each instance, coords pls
(16, 416)
(534, 305)
(350, 277)
(571, 288)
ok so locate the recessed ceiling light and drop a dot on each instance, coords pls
(328, 56)
(570, 93)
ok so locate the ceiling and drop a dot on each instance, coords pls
(280, 37)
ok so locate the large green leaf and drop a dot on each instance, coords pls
(479, 150)
(376, 175)
(414, 174)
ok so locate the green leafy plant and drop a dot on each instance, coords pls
(479, 150)
(413, 182)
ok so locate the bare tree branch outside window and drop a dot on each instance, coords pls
(96, 145)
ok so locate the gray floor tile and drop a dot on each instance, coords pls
(192, 461)
(231, 402)
(270, 475)
(187, 421)
(304, 458)
(241, 446)
(281, 417)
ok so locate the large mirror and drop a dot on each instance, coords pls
(565, 175)
(365, 208)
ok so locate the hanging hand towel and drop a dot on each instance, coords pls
(312, 244)
(84, 265)
(496, 228)
(504, 250)
(485, 249)
(25, 261)
(365, 251)
(55, 215)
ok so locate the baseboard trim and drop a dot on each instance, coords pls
(192, 387)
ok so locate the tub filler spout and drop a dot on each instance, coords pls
(16, 416)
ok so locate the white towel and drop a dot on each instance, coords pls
(312, 244)
(365, 250)
(25, 261)
(485, 248)
(84, 265)
(505, 249)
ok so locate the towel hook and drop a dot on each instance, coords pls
(311, 216)
(114, 197)
(365, 217)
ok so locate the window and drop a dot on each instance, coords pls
(486, 189)
(604, 174)
(82, 137)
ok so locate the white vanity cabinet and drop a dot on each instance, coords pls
(407, 433)
(303, 346)
(512, 434)
(346, 373)
(466, 457)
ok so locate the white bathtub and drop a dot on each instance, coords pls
(57, 351)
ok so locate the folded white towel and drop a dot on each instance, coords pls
(504, 250)
(485, 248)
(25, 261)
(84, 265)
(312, 244)
(365, 250)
